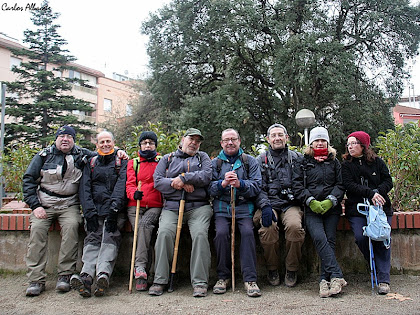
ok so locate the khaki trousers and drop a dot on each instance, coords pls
(294, 234)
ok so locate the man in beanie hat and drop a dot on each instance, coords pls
(277, 203)
(185, 172)
(50, 188)
(141, 170)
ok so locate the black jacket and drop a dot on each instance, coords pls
(276, 170)
(375, 175)
(323, 181)
(102, 187)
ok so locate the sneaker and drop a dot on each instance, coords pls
(82, 284)
(383, 288)
(141, 284)
(336, 285)
(140, 272)
(102, 283)
(63, 283)
(324, 289)
(200, 291)
(252, 289)
(35, 289)
(273, 277)
(290, 278)
(220, 286)
(156, 289)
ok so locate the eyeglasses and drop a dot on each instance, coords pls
(352, 143)
(147, 143)
(230, 139)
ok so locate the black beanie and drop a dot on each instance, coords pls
(148, 135)
(66, 130)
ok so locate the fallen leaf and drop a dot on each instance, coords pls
(397, 296)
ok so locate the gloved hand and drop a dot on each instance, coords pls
(138, 195)
(316, 206)
(111, 221)
(326, 205)
(92, 223)
(267, 216)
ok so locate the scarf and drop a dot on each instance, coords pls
(320, 154)
(103, 154)
(148, 154)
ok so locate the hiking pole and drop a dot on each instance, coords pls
(178, 235)
(232, 237)
(133, 254)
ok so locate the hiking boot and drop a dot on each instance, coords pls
(102, 283)
(156, 289)
(324, 289)
(383, 288)
(141, 284)
(336, 285)
(220, 286)
(290, 278)
(82, 284)
(140, 273)
(252, 289)
(63, 283)
(35, 289)
(273, 277)
(200, 291)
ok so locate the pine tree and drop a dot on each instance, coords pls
(41, 99)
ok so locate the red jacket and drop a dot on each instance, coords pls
(152, 198)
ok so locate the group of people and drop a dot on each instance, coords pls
(303, 192)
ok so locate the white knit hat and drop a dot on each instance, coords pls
(319, 133)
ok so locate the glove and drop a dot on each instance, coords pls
(138, 195)
(316, 206)
(267, 216)
(92, 223)
(326, 205)
(111, 221)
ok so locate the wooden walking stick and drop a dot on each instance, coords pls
(232, 236)
(133, 254)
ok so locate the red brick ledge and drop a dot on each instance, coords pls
(18, 220)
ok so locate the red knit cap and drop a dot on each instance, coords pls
(362, 136)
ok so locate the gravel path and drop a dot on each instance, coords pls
(357, 298)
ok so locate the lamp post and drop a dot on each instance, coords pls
(305, 118)
(3, 109)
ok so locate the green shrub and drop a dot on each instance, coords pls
(15, 162)
(400, 148)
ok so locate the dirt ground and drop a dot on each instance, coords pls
(357, 298)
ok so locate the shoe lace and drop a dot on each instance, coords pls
(323, 285)
(252, 286)
(220, 282)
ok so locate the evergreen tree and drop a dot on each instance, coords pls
(41, 99)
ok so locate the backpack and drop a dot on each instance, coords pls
(244, 160)
(378, 228)
(117, 163)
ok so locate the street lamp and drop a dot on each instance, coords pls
(305, 118)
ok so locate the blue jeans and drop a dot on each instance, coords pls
(382, 255)
(322, 229)
(247, 249)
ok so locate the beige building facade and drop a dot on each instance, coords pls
(110, 98)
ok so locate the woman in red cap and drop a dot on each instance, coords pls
(365, 175)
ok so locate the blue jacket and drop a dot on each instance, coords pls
(244, 195)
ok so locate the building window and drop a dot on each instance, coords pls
(74, 74)
(107, 105)
(128, 110)
(15, 62)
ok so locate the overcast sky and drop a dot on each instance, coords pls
(104, 35)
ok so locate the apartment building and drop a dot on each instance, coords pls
(111, 98)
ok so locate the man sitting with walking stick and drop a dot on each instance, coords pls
(185, 172)
(233, 168)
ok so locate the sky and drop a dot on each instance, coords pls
(105, 35)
